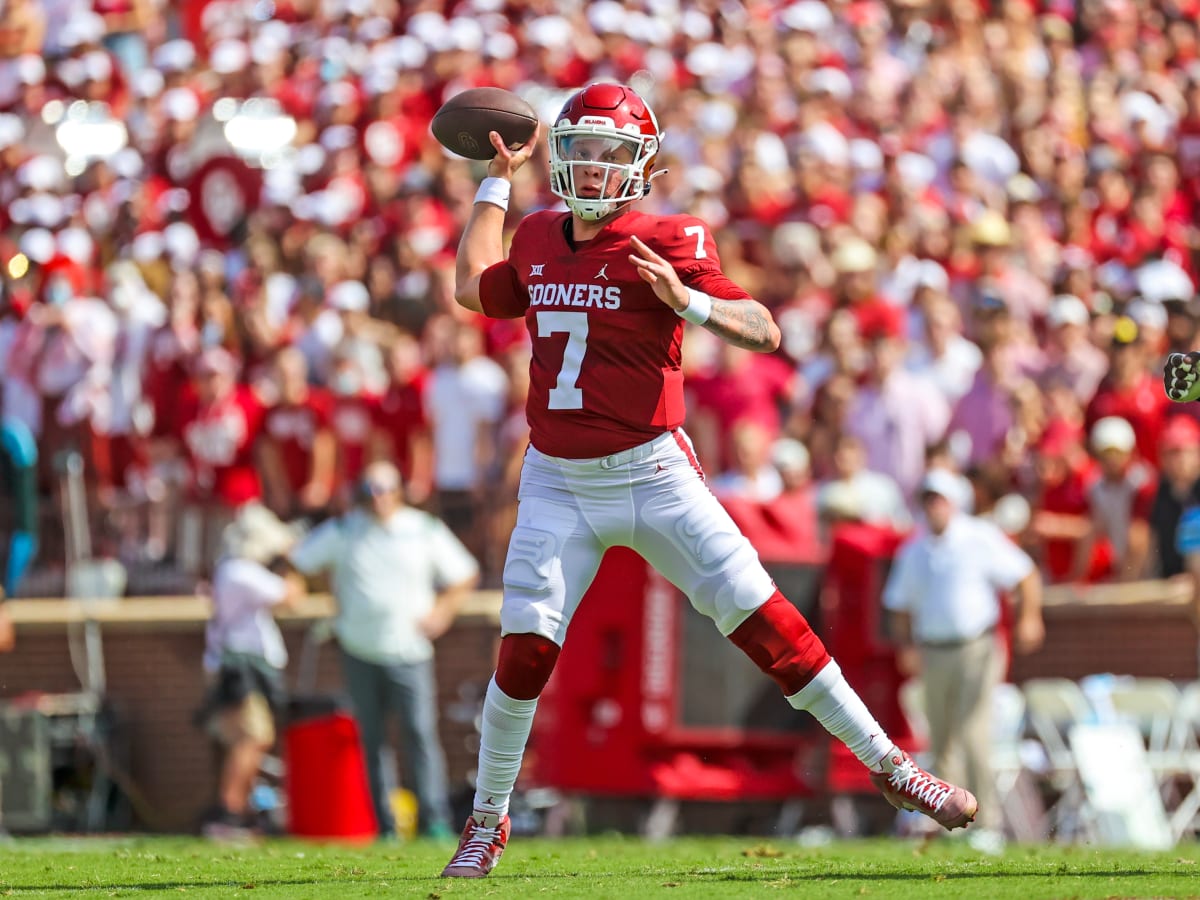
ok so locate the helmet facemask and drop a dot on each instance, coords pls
(596, 168)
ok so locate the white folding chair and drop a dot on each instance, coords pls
(1053, 706)
(1185, 818)
(1151, 705)
(1123, 809)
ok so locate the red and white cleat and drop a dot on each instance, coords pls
(479, 849)
(908, 786)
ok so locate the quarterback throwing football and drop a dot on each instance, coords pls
(605, 290)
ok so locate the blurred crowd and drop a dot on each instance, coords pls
(228, 239)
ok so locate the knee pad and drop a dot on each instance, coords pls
(778, 639)
(525, 665)
(733, 589)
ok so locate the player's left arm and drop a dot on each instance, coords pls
(743, 322)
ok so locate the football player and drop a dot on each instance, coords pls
(605, 290)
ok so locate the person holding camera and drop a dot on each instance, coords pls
(398, 577)
(244, 659)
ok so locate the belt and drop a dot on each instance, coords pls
(956, 642)
(634, 454)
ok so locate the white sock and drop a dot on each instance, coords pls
(502, 739)
(841, 711)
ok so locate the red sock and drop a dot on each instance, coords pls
(525, 665)
(780, 642)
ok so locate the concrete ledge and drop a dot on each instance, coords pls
(189, 613)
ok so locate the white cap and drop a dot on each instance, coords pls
(38, 244)
(175, 56)
(182, 243)
(1163, 280)
(148, 83)
(147, 246)
(917, 170)
(406, 52)
(931, 274)
(180, 105)
(865, 155)
(12, 130)
(47, 209)
(827, 143)
(31, 69)
(349, 296)
(465, 34)
(41, 173)
(77, 245)
(788, 454)
(795, 243)
(1067, 309)
(97, 65)
(808, 15)
(854, 255)
(337, 94)
(338, 137)
(1148, 314)
(83, 27)
(229, 56)
(606, 16)
(830, 81)
(950, 485)
(1113, 433)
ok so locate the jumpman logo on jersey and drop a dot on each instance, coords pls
(603, 273)
(535, 269)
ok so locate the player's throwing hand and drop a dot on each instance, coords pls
(1180, 376)
(506, 162)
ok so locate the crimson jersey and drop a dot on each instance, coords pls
(219, 440)
(605, 373)
(294, 427)
(352, 422)
(400, 414)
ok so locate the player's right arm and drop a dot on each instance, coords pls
(482, 241)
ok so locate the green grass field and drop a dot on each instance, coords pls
(615, 867)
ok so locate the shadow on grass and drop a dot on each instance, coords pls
(747, 876)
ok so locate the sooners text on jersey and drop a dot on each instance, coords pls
(605, 373)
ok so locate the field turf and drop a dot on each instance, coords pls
(605, 867)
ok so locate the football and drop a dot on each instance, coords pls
(463, 122)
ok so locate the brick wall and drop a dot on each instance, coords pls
(154, 679)
(155, 683)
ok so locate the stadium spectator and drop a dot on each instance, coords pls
(244, 660)
(402, 418)
(1119, 502)
(1178, 489)
(893, 431)
(753, 475)
(398, 578)
(943, 596)
(217, 430)
(876, 497)
(464, 444)
(297, 445)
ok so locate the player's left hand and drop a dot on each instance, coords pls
(1180, 377)
(659, 274)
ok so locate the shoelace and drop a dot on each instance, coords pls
(912, 781)
(474, 850)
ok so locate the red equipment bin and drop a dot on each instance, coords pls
(325, 780)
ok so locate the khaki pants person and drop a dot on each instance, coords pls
(959, 680)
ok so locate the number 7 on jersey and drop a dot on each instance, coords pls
(564, 394)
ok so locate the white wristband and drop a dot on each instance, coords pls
(699, 308)
(495, 191)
